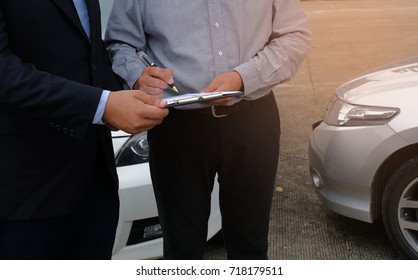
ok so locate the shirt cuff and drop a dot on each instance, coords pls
(250, 80)
(101, 107)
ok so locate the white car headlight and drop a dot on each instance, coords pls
(134, 151)
(341, 113)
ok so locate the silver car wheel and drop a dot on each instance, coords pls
(408, 214)
(400, 208)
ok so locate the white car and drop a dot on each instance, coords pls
(139, 234)
(364, 155)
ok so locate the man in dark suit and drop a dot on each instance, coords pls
(58, 181)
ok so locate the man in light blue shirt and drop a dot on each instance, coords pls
(212, 45)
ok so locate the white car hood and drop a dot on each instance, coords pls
(384, 86)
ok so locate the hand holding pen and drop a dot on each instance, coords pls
(153, 79)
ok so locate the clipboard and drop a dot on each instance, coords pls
(191, 98)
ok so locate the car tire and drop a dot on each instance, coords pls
(400, 209)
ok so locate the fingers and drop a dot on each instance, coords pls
(149, 107)
(154, 80)
(213, 86)
(150, 99)
(228, 81)
(219, 102)
(133, 111)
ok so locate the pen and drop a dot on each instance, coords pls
(148, 62)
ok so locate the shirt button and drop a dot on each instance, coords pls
(217, 25)
(220, 53)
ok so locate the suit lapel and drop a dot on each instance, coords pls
(68, 8)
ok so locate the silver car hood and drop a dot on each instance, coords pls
(385, 86)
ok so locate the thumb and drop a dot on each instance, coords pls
(213, 86)
(150, 99)
(162, 103)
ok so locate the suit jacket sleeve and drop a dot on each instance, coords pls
(37, 94)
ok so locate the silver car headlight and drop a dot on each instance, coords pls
(341, 113)
(134, 151)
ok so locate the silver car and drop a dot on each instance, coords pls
(364, 154)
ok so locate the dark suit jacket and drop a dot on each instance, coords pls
(51, 79)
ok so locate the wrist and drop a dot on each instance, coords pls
(238, 81)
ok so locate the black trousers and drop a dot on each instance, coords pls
(87, 233)
(188, 149)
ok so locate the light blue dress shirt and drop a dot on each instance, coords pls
(264, 41)
(83, 14)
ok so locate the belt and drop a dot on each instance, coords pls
(223, 111)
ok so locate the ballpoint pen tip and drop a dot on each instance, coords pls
(175, 89)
